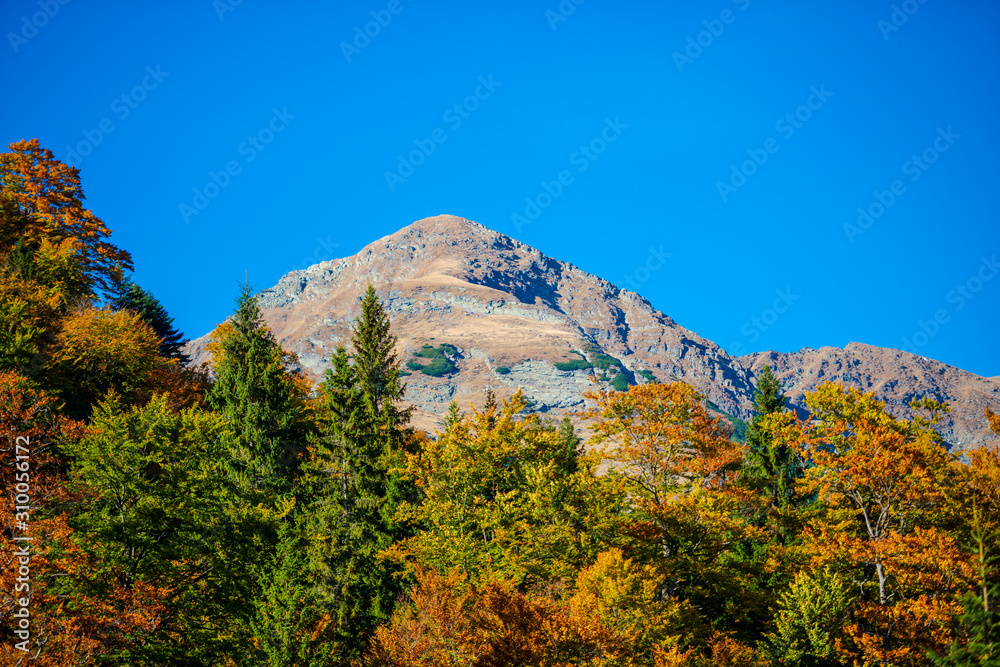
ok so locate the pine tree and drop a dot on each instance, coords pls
(344, 496)
(376, 365)
(453, 416)
(352, 491)
(770, 466)
(256, 392)
(569, 458)
(129, 296)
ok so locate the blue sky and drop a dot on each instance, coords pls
(712, 155)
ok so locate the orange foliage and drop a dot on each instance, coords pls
(67, 625)
(450, 622)
(678, 465)
(41, 200)
(884, 484)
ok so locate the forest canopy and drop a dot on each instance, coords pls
(243, 514)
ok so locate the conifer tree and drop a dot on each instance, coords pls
(770, 464)
(352, 491)
(569, 458)
(376, 370)
(130, 296)
(453, 416)
(256, 392)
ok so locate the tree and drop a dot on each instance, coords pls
(978, 638)
(98, 350)
(163, 527)
(260, 396)
(770, 464)
(689, 515)
(884, 484)
(497, 499)
(813, 612)
(376, 365)
(129, 296)
(41, 202)
(448, 621)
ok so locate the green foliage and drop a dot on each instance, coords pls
(648, 375)
(769, 463)
(604, 362)
(812, 613)
(258, 395)
(160, 512)
(429, 352)
(504, 496)
(502, 370)
(129, 296)
(573, 365)
(978, 643)
(439, 368)
(441, 363)
(620, 382)
(350, 490)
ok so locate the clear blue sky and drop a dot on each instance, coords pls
(202, 85)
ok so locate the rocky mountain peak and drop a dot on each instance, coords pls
(517, 318)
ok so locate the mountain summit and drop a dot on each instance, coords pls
(491, 312)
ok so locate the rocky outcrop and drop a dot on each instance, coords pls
(505, 305)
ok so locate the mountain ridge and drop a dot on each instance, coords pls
(505, 304)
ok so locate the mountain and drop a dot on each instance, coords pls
(896, 377)
(504, 315)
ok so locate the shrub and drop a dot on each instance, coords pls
(428, 352)
(438, 367)
(573, 365)
(603, 361)
(503, 370)
(620, 382)
(414, 366)
(648, 375)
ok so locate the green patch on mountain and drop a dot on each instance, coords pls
(441, 357)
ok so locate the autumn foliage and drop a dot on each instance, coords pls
(240, 514)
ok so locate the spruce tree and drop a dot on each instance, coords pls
(255, 392)
(569, 458)
(376, 365)
(770, 466)
(129, 296)
(351, 490)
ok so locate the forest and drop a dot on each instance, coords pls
(155, 513)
